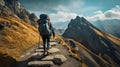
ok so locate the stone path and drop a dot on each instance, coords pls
(58, 57)
(47, 60)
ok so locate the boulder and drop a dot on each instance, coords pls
(54, 50)
(48, 58)
(40, 64)
(53, 43)
(59, 59)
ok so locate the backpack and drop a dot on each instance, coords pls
(44, 26)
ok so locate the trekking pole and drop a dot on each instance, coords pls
(39, 42)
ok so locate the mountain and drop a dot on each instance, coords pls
(110, 26)
(60, 27)
(103, 47)
(16, 31)
(15, 9)
(15, 37)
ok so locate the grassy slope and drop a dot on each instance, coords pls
(16, 36)
(97, 58)
(109, 36)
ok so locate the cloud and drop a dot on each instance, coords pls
(61, 16)
(61, 8)
(76, 4)
(113, 13)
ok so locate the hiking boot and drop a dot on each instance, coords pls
(48, 48)
(44, 53)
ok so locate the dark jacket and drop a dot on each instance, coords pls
(50, 25)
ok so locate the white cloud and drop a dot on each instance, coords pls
(113, 13)
(61, 16)
(61, 8)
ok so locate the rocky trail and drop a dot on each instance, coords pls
(58, 57)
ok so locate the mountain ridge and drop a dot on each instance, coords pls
(111, 26)
(15, 9)
(94, 39)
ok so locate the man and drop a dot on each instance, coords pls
(46, 30)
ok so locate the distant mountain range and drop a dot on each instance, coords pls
(110, 26)
(60, 27)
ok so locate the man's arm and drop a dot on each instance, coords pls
(52, 30)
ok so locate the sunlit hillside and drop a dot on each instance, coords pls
(16, 36)
(114, 39)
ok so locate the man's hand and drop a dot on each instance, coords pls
(53, 35)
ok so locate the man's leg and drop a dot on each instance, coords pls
(48, 42)
(44, 42)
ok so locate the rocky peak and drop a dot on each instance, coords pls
(77, 22)
(84, 32)
(33, 18)
(15, 9)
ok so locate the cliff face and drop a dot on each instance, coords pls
(15, 9)
(95, 40)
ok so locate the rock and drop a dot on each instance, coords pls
(53, 50)
(33, 18)
(48, 58)
(40, 47)
(57, 61)
(53, 43)
(40, 63)
(37, 54)
(28, 53)
(52, 40)
(61, 57)
(39, 50)
(15, 9)
(22, 56)
(5, 10)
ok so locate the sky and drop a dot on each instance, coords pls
(65, 10)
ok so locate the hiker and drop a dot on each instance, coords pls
(46, 30)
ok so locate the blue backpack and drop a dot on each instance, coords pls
(44, 26)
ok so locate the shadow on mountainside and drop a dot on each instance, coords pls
(24, 63)
(6, 61)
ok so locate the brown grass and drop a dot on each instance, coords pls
(17, 36)
(108, 36)
(71, 50)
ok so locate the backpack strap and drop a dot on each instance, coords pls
(48, 20)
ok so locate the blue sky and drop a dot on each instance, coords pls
(64, 10)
